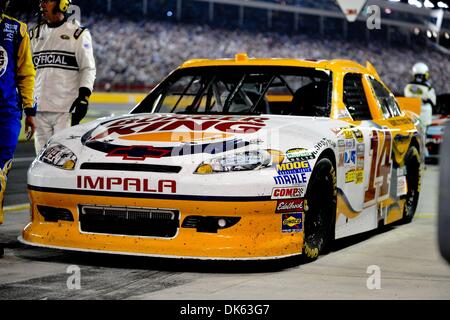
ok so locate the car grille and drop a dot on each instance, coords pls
(133, 221)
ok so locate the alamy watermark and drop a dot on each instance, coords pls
(74, 280)
(373, 21)
(374, 280)
(74, 13)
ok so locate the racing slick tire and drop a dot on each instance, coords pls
(412, 163)
(320, 210)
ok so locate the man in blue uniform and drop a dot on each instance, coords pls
(16, 91)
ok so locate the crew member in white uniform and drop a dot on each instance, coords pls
(420, 87)
(65, 70)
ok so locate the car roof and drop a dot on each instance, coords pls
(241, 59)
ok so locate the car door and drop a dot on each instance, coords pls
(394, 139)
(358, 154)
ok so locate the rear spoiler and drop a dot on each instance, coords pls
(410, 104)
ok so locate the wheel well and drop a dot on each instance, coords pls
(329, 154)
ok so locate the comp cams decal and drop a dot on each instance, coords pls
(288, 192)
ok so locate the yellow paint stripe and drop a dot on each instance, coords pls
(116, 98)
(19, 207)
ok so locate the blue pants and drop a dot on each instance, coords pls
(9, 134)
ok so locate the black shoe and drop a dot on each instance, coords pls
(1, 252)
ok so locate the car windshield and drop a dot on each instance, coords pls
(242, 90)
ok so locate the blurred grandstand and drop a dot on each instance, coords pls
(138, 42)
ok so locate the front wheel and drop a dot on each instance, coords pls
(320, 210)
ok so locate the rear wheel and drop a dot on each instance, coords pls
(412, 163)
(320, 210)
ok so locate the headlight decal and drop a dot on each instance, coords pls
(60, 156)
(242, 161)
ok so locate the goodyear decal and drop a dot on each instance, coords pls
(293, 167)
(295, 179)
(291, 222)
(290, 205)
(299, 154)
(288, 192)
(350, 176)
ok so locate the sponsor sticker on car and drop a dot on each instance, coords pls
(341, 145)
(360, 163)
(359, 176)
(348, 134)
(293, 167)
(350, 158)
(360, 148)
(288, 192)
(350, 144)
(358, 135)
(402, 187)
(291, 222)
(294, 179)
(290, 205)
(350, 176)
(299, 154)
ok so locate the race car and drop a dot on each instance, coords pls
(240, 158)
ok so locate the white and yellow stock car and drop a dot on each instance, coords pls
(232, 159)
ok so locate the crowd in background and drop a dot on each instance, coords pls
(142, 53)
(134, 51)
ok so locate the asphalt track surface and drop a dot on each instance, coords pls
(406, 258)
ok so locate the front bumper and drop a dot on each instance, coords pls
(257, 235)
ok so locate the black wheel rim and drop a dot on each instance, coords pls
(412, 195)
(320, 200)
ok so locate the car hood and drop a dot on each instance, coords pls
(174, 138)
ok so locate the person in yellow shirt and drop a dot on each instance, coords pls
(17, 75)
